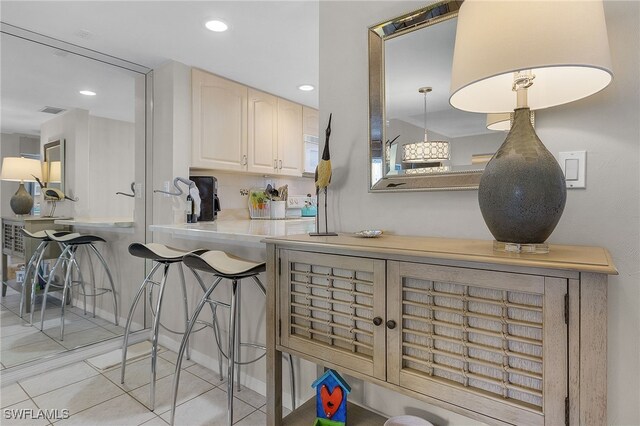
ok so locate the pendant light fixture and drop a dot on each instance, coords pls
(425, 151)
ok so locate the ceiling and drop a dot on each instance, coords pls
(424, 58)
(271, 45)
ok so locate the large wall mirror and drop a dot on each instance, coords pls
(410, 59)
(92, 146)
(53, 164)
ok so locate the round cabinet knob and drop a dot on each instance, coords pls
(391, 324)
(377, 321)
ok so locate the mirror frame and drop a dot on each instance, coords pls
(45, 148)
(378, 34)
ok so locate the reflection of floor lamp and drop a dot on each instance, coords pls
(323, 179)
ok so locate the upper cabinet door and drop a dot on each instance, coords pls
(289, 138)
(263, 132)
(219, 123)
(310, 121)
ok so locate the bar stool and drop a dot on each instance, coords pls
(70, 243)
(223, 265)
(165, 256)
(34, 266)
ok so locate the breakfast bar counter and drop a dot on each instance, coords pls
(237, 231)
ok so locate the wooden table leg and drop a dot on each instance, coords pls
(274, 357)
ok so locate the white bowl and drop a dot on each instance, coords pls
(407, 421)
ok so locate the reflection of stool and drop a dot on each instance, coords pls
(34, 267)
(161, 255)
(222, 265)
(70, 242)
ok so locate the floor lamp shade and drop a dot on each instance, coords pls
(21, 170)
(526, 55)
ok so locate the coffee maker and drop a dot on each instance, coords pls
(210, 203)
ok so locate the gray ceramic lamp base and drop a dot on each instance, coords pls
(522, 191)
(22, 201)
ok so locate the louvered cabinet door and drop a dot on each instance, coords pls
(327, 308)
(491, 342)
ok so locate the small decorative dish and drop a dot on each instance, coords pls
(368, 233)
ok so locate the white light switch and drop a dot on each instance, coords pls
(571, 169)
(574, 167)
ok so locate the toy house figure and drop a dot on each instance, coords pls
(331, 399)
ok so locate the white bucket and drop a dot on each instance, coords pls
(278, 209)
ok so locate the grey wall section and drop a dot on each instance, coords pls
(606, 214)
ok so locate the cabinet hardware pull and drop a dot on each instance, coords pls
(280, 162)
(391, 324)
(377, 321)
(244, 160)
(275, 164)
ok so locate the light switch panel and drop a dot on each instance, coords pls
(574, 167)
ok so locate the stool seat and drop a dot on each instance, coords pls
(223, 264)
(157, 252)
(42, 235)
(73, 238)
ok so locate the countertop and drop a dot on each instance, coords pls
(97, 222)
(246, 231)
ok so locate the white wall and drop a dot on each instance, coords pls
(606, 214)
(112, 167)
(73, 127)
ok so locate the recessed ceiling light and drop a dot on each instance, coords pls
(87, 93)
(306, 87)
(217, 26)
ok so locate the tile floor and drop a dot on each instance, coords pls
(96, 397)
(20, 342)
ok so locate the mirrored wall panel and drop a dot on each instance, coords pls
(83, 115)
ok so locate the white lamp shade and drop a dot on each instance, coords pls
(20, 169)
(564, 43)
(501, 121)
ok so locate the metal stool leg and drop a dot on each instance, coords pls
(67, 284)
(232, 351)
(93, 280)
(30, 266)
(154, 345)
(185, 304)
(61, 258)
(80, 281)
(34, 283)
(113, 288)
(127, 328)
(216, 326)
(183, 346)
(238, 334)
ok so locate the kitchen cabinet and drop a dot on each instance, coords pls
(219, 120)
(18, 248)
(263, 132)
(310, 122)
(238, 128)
(289, 138)
(502, 339)
(310, 132)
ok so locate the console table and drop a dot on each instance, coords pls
(501, 338)
(16, 245)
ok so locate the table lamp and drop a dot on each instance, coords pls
(21, 170)
(526, 55)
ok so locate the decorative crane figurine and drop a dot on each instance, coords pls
(322, 180)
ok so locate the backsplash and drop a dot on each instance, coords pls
(230, 186)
